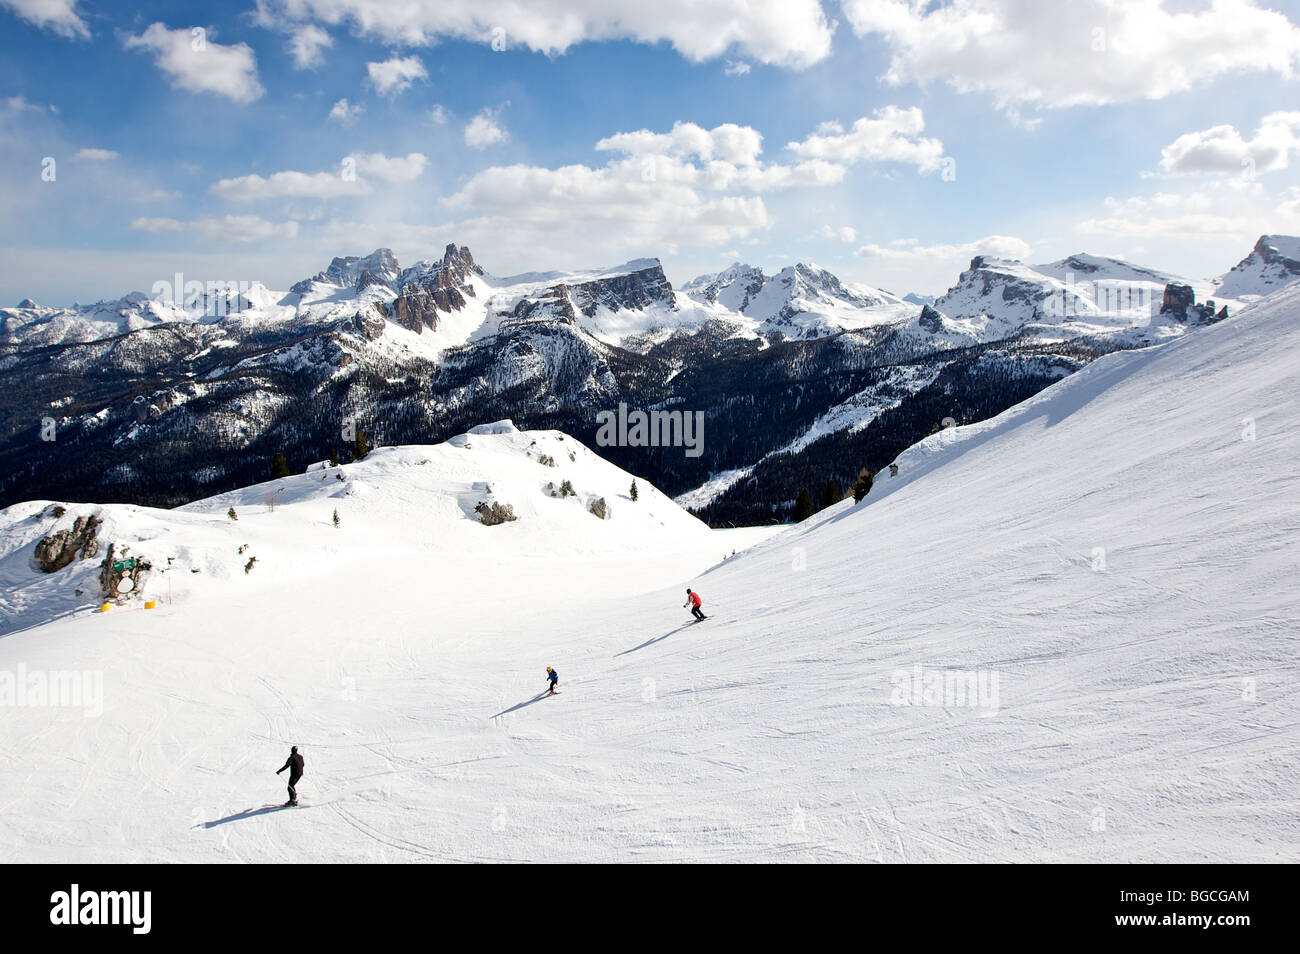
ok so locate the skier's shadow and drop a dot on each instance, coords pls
(527, 702)
(653, 640)
(246, 813)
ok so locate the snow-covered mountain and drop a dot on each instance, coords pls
(1083, 294)
(800, 301)
(1003, 654)
(1272, 264)
(167, 399)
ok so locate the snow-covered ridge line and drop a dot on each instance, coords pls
(563, 496)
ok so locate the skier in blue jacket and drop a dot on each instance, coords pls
(554, 678)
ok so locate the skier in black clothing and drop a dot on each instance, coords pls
(294, 764)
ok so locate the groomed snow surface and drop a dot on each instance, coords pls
(1112, 564)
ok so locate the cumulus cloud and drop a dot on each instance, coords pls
(689, 186)
(345, 113)
(290, 185)
(739, 145)
(438, 115)
(1237, 208)
(354, 177)
(59, 16)
(846, 233)
(792, 33)
(484, 130)
(997, 246)
(395, 74)
(230, 228)
(1088, 52)
(198, 64)
(376, 165)
(1289, 209)
(97, 155)
(610, 207)
(308, 44)
(1222, 149)
(891, 135)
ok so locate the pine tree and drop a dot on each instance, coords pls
(359, 446)
(279, 467)
(832, 494)
(803, 506)
(862, 485)
(334, 457)
(336, 517)
(231, 514)
(633, 492)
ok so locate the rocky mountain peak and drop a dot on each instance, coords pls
(1273, 263)
(356, 271)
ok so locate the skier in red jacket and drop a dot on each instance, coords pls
(693, 601)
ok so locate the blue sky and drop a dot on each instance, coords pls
(288, 131)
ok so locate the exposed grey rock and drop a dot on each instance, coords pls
(57, 550)
(1178, 300)
(427, 289)
(930, 320)
(495, 513)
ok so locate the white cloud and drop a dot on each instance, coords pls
(792, 33)
(356, 172)
(95, 154)
(1290, 207)
(739, 145)
(21, 104)
(611, 207)
(905, 264)
(439, 115)
(1088, 52)
(1238, 209)
(376, 165)
(890, 136)
(289, 185)
(846, 233)
(484, 130)
(736, 68)
(900, 250)
(230, 228)
(395, 74)
(308, 44)
(687, 187)
(157, 225)
(59, 16)
(1223, 149)
(346, 113)
(198, 64)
